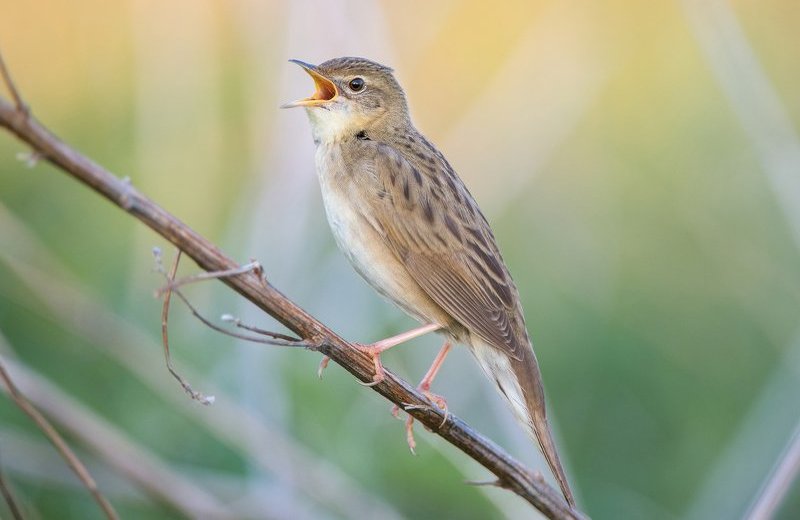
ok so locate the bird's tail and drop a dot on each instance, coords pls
(521, 384)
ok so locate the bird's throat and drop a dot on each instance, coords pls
(331, 125)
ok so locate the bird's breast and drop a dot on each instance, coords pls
(348, 213)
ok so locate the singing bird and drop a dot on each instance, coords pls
(410, 227)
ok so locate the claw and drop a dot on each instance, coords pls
(439, 401)
(412, 443)
(323, 364)
(436, 400)
(374, 382)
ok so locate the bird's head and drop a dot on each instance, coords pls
(352, 95)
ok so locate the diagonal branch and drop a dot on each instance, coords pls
(8, 496)
(58, 442)
(510, 473)
(12, 87)
(234, 425)
(133, 461)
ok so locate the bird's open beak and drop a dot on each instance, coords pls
(326, 90)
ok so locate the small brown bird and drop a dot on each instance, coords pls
(409, 226)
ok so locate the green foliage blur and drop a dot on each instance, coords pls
(639, 162)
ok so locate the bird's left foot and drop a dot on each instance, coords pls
(425, 388)
(435, 399)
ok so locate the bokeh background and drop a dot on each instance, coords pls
(640, 164)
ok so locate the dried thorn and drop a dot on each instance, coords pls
(30, 158)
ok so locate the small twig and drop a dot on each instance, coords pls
(194, 394)
(277, 335)
(53, 436)
(174, 284)
(278, 339)
(8, 496)
(279, 342)
(12, 88)
(171, 288)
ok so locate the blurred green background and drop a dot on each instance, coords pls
(639, 162)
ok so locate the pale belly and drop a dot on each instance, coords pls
(372, 259)
(365, 250)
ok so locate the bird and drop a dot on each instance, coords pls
(410, 227)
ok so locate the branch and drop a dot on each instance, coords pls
(115, 448)
(510, 473)
(58, 442)
(8, 496)
(238, 427)
(773, 491)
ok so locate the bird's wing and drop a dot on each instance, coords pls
(429, 220)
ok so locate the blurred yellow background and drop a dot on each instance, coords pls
(639, 162)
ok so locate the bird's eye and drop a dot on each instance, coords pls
(356, 84)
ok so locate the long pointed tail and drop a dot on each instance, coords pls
(521, 383)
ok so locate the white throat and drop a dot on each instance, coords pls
(332, 123)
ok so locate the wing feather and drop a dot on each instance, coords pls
(447, 248)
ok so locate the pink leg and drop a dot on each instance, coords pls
(425, 384)
(386, 344)
(425, 388)
(374, 350)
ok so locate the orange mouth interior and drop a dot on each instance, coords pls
(326, 90)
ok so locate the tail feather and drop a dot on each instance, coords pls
(521, 384)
